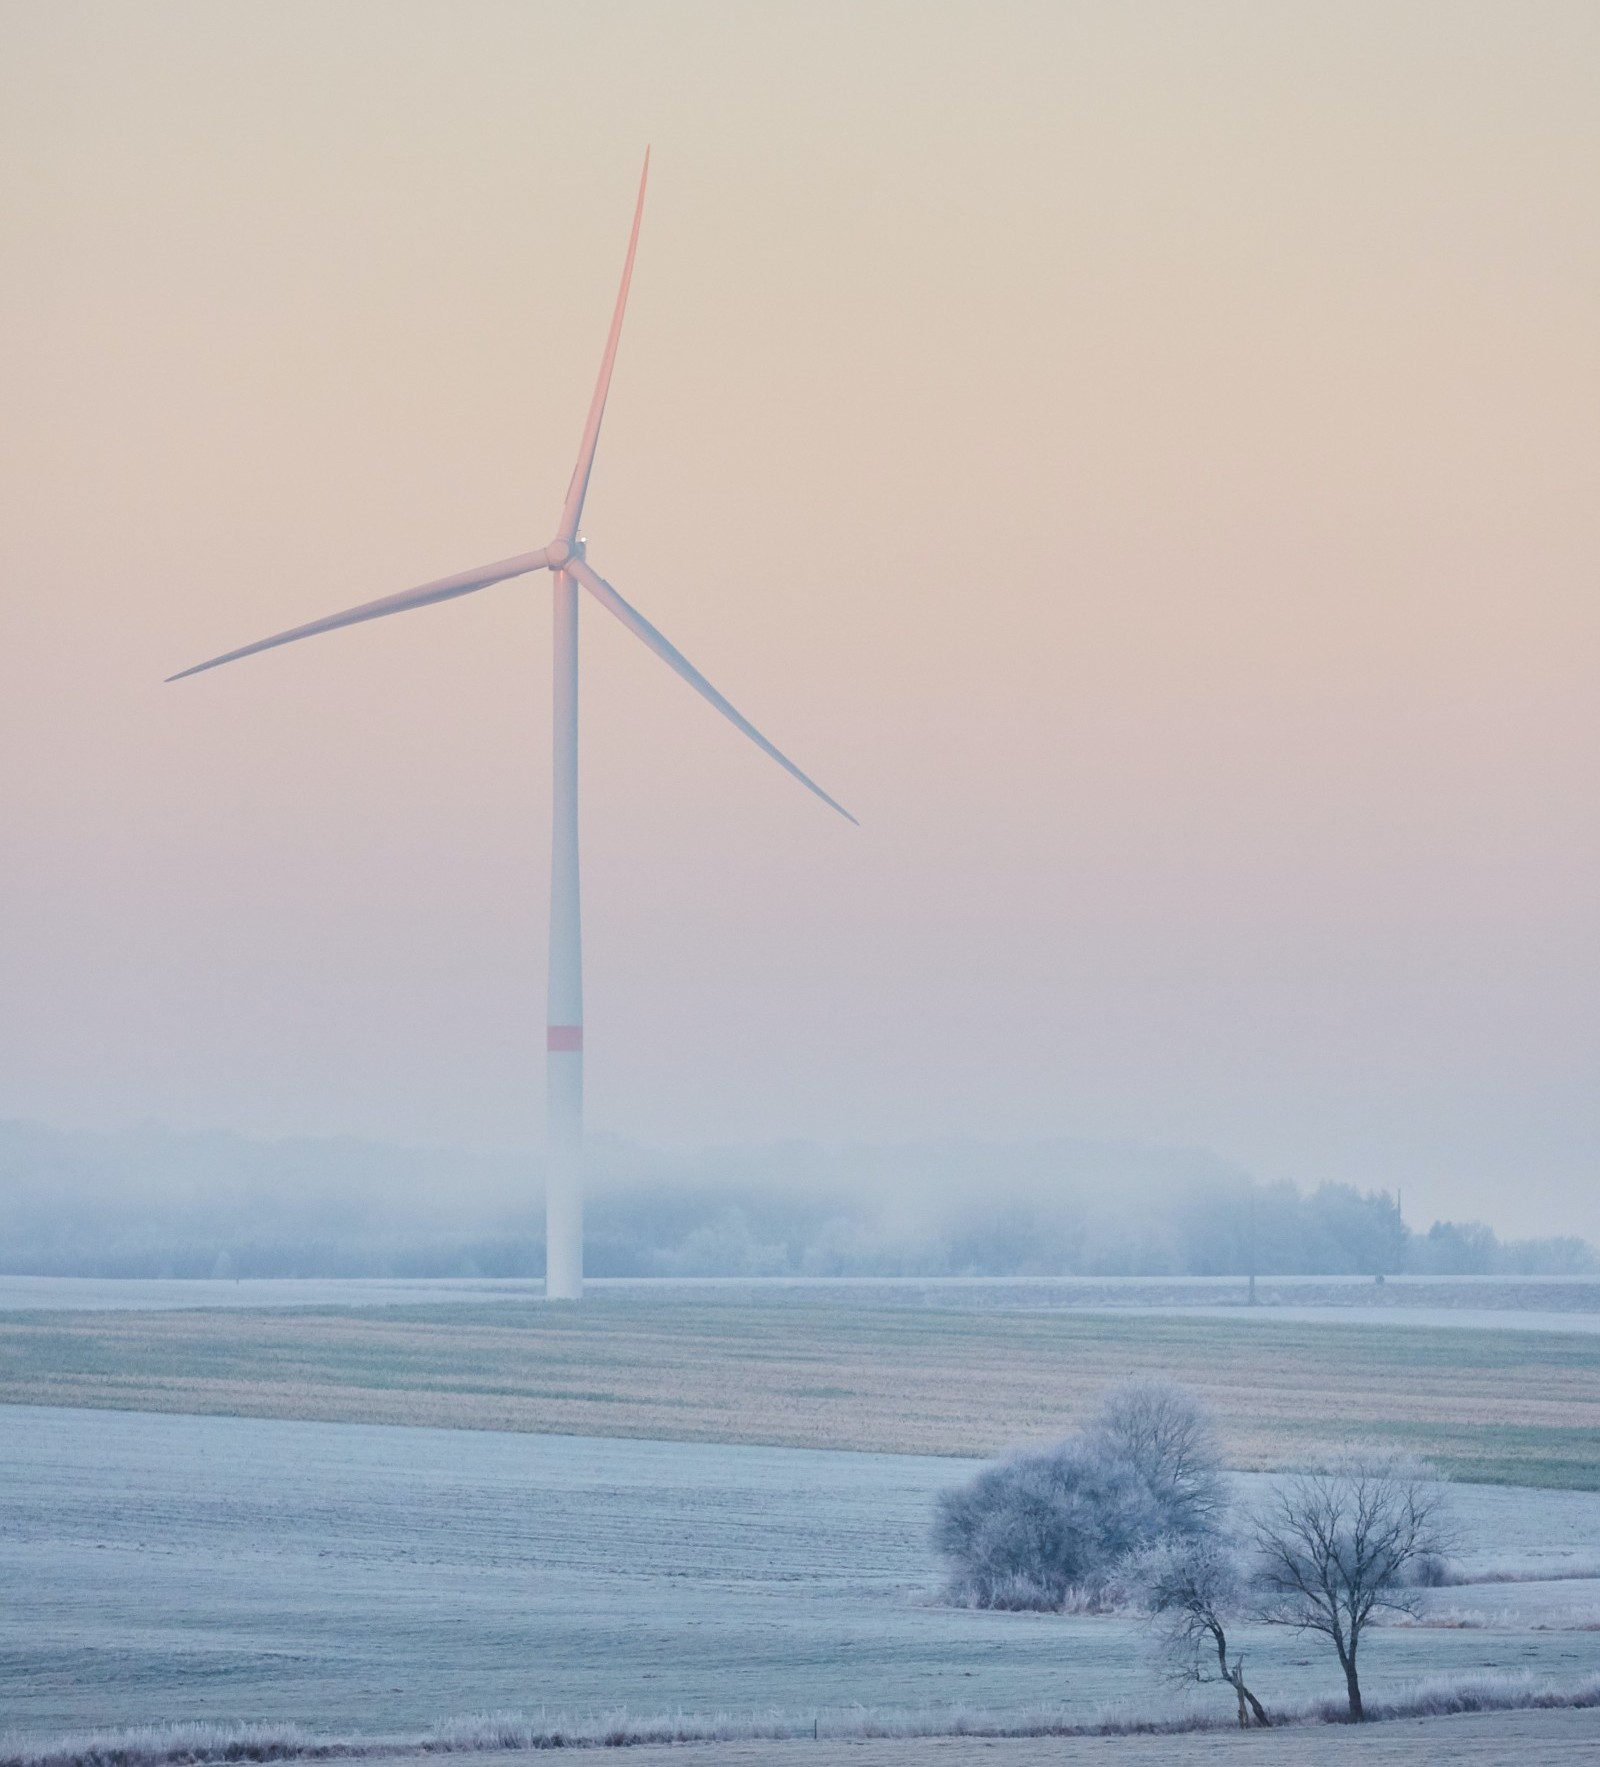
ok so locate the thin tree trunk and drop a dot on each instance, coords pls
(1357, 1715)
(1235, 1677)
(1256, 1712)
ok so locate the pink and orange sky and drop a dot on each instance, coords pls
(1143, 459)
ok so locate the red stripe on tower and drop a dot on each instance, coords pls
(565, 1039)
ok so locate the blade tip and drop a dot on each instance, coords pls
(196, 669)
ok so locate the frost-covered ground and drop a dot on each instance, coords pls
(1544, 1303)
(377, 1579)
(1529, 1739)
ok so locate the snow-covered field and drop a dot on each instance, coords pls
(377, 1579)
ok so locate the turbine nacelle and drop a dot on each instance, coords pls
(560, 553)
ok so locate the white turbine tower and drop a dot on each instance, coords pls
(565, 557)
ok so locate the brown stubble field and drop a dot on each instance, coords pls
(1510, 1406)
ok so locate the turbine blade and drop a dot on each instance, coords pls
(674, 658)
(442, 589)
(572, 509)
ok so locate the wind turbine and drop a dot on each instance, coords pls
(566, 558)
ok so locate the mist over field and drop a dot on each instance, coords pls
(151, 1201)
(1164, 515)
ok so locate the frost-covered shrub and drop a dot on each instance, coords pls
(1429, 1570)
(1048, 1529)
(1165, 1434)
(1038, 1527)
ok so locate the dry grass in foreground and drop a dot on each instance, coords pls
(788, 1370)
(1535, 1721)
(1500, 1739)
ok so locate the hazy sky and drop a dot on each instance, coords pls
(1143, 459)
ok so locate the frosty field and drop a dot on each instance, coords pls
(914, 1368)
(377, 1579)
(1507, 1303)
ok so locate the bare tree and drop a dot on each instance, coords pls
(1340, 1543)
(1165, 1434)
(1192, 1588)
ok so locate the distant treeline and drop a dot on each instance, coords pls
(154, 1202)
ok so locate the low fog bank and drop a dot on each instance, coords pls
(152, 1202)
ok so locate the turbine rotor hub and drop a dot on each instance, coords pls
(562, 552)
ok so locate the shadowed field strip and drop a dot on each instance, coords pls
(1501, 1406)
(1492, 1739)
